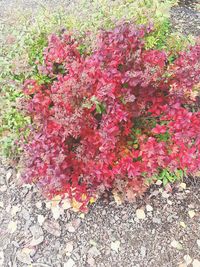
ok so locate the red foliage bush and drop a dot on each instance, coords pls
(111, 119)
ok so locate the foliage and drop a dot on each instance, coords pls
(23, 44)
(113, 119)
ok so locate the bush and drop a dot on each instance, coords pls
(24, 41)
(117, 119)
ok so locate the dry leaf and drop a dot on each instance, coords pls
(182, 186)
(66, 204)
(183, 224)
(55, 201)
(40, 219)
(140, 214)
(117, 197)
(24, 255)
(115, 245)
(191, 213)
(56, 211)
(149, 207)
(12, 227)
(176, 244)
(69, 263)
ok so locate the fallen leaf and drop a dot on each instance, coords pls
(183, 224)
(55, 201)
(40, 219)
(196, 263)
(93, 243)
(182, 186)
(82, 215)
(140, 214)
(191, 213)
(24, 255)
(66, 204)
(176, 244)
(12, 226)
(117, 198)
(15, 209)
(56, 212)
(115, 245)
(69, 263)
(187, 259)
(52, 227)
(1, 258)
(69, 247)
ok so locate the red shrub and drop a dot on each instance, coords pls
(111, 119)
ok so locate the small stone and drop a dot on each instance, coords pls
(198, 243)
(187, 259)
(69, 263)
(1, 204)
(196, 263)
(52, 227)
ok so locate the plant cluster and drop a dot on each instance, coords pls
(23, 44)
(117, 119)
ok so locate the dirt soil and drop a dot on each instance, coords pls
(160, 230)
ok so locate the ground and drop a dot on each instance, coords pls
(160, 230)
